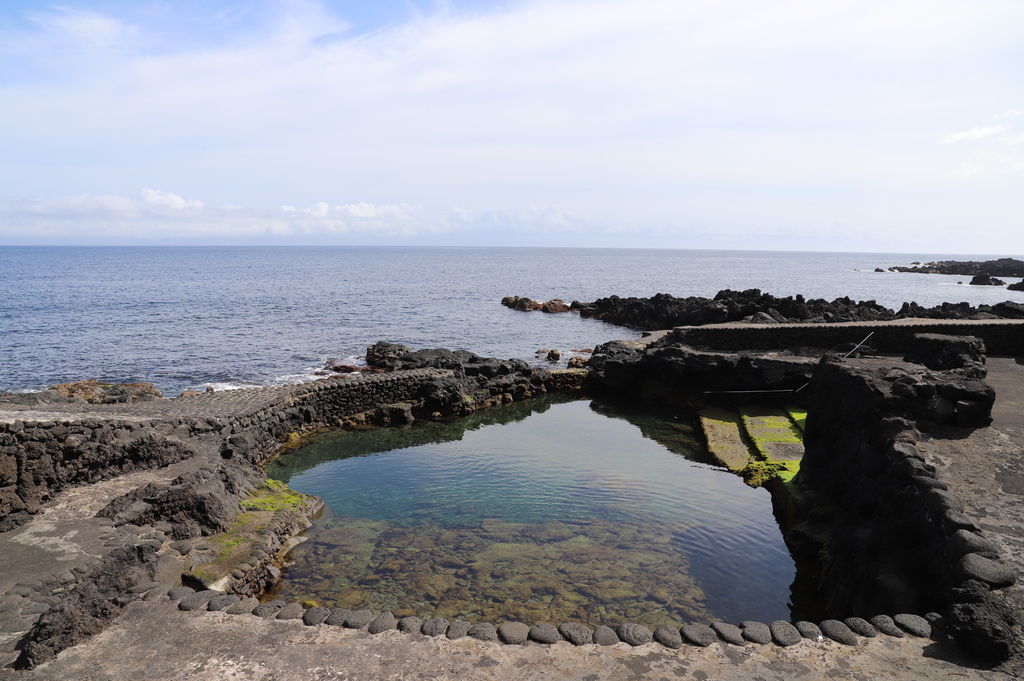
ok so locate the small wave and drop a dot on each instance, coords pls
(224, 385)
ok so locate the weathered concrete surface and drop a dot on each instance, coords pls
(163, 643)
(985, 468)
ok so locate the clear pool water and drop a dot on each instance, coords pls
(548, 510)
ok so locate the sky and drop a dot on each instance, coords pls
(850, 125)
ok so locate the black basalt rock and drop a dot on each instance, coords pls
(915, 625)
(729, 633)
(483, 631)
(634, 634)
(861, 627)
(885, 624)
(668, 636)
(838, 632)
(756, 632)
(435, 626)
(381, 623)
(983, 623)
(576, 633)
(544, 633)
(699, 634)
(605, 636)
(784, 633)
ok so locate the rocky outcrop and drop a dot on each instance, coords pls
(90, 605)
(522, 304)
(201, 502)
(986, 280)
(937, 351)
(97, 392)
(1019, 286)
(1003, 267)
(383, 355)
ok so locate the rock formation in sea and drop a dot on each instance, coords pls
(1003, 267)
(752, 306)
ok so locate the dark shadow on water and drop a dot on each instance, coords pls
(325, 446)
(674, 428)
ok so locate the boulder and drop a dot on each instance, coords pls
(1019, 286)
(521, 303)
(699, 634)
(576, 633)
(513, 633)
(385, 355)
(577, 362)
(986, 280)
(634, 634)
(544, 633)
(554, 305)
(941, 352)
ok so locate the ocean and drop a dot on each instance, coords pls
(229, 317)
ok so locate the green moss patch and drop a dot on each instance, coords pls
(235, 546)
(723, 431)
(273, 495)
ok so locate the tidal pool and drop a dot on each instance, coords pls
(546, 510)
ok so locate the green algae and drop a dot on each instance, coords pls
(273, 495)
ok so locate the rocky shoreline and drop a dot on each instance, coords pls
(217, 525)
(665, 311)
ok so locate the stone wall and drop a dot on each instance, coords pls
(1001, 338)
(39, 458)
(884, 532)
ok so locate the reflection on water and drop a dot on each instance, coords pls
(546, 510)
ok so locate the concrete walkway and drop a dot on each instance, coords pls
(985, 468)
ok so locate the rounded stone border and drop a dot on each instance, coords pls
(851, 631)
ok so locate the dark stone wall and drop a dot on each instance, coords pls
(38, 459)
(999, 338)
(892, 537)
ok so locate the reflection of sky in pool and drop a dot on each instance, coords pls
(567, 510)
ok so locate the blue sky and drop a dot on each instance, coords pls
(797, 124)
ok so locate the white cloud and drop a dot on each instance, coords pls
(974, 134)
(647, 116)
(1012, 113)
(157, 197)
(1013, 140)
